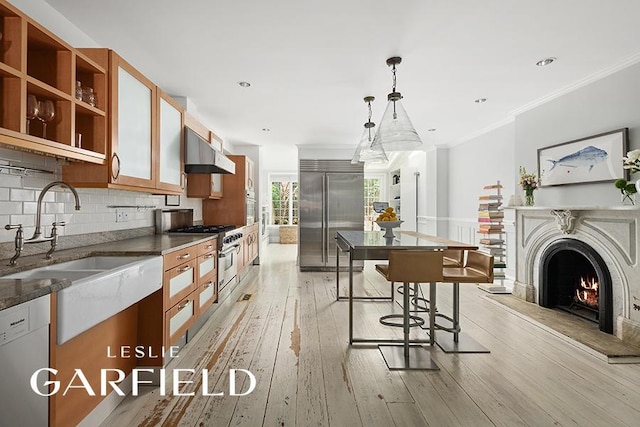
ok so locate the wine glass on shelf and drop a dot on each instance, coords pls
(46, 113)
(32, 110)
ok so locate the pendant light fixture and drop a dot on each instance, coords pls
(396, 133)
(365, 152)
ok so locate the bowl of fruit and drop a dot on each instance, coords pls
(388, 220)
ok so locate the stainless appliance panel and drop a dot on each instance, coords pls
(201, 157)
(311, 220)
(167, 219)
(344, 207)
(331, 199)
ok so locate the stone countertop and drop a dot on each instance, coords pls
(17, 291)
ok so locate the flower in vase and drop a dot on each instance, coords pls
(528, 182)
(632, 161)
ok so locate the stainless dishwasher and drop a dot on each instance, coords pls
(24, 348)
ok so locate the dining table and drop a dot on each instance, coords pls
(372, 245)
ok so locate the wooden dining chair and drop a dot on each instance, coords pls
(478, 268)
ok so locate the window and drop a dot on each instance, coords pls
(284, 202)
(371, 194)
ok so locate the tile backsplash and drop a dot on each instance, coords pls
(19, 194)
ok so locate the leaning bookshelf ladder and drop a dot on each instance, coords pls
(491, 227)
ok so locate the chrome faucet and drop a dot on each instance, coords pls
(38, 237)
(37, 234)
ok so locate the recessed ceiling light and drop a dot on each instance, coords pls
(244, 84)
(266, 130)
(545, 61)
(431, 130)
(480, 100)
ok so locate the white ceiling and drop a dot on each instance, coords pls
(310, 63)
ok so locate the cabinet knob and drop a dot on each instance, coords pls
(184, 256)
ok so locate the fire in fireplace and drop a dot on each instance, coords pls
(587, 292)
(574, 278)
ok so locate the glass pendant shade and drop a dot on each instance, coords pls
(365, 152)
(396, 133)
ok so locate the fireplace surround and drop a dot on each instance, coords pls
(575, 278)
(608, 238)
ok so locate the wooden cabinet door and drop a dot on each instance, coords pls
(133, 131)
(170, 154)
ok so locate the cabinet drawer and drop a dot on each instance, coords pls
(179, 282)
(207, 295)
(178, 257)
(207, 246)
(179, 318)
(207, 265)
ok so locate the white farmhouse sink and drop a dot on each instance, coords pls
(101, 287)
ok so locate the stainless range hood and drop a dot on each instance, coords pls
(201, 157)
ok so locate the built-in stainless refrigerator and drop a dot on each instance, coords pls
(331, 198)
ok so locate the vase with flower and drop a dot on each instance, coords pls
(628, 189)
(528, 182)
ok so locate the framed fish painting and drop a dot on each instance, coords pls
(595, 158)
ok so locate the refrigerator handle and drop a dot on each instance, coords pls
(325, 200)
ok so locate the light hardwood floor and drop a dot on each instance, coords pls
(292, 335)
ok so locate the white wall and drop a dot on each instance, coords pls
(54, 21)
(476, 163)
(607, 104)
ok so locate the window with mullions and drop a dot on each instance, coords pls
(371, 194)
(284, 203)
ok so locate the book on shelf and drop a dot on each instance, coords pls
(489, 219)
(490, 197)
(490, 241)
(499, 264)
(490, 214)
(489, 206)
(490, 227)
(492, 186)
(493, 251)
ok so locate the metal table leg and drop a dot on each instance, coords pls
(350, 297)
(337, 272)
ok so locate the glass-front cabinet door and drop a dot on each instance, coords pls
(170, 137)
(133, 130)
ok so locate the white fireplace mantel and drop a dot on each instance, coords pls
(613, 232)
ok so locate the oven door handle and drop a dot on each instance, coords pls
(228, 250)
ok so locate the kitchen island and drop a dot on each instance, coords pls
(372, 245)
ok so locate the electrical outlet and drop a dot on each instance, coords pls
(122, 215)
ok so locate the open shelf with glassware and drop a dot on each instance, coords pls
(38, 108)
(492, 241)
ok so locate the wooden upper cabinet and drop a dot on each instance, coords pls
(35, 64)
(202, 185)
(145, 140)
(133, 127)
(170, 151)
(232, 208)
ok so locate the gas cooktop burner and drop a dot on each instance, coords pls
(203, 229)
